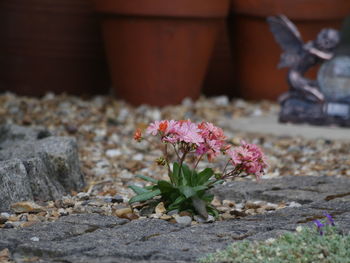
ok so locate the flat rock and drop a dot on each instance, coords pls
(36, 166)
(96, 238)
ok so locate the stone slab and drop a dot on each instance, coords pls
(269, 125)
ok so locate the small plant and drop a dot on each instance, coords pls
(323, 244)
(187, 187)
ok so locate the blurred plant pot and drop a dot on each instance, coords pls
(158, 50)
(51, 45)
(219, 78)
(255, 52)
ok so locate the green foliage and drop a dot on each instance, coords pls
(186, 190)
(308, 246)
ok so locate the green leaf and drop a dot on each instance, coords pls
(176, 173)
(166, 187)
(138, 190)
(204, 176)
(147, 178)
(179, 200)
(207, 197)
(144, 196)
(187, 175)
(187, 191)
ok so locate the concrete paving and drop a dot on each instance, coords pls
(269, 125)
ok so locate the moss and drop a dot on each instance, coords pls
(306, 246)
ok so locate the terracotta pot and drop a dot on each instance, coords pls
(158, 50)
(256, 54)
(219, 78)
(51, 45)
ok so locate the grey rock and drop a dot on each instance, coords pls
(96, 238)
(45, 167)
(14, 183)
(301, 189)
(183, 220)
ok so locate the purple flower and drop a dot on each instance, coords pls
(319, 226)
(330, 219)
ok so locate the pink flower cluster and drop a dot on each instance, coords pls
(204, 138)
(248, 158)
(207, 139)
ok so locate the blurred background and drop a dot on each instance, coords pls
(153, 52)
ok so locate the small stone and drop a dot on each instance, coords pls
(210, 219)
(5, 255)
(26, 207)
(260, 210)
(28, 224)
(3, 219)
(223, 209)
(113, 153)
(250, 211)
(201, 219)
(5, 215)
(216, 202)
(185, 213)
(227, 216)
(71, 128)
(183, 220)
(35, 239)
(166, 217)
(68, 202)
(173, 212)
(23, 218)
(160, 209)
(155, 216)
(270, 207)
(228, 203)
(117, 199)
(294, 204)
(281, 205)
(238, 213)
(62, 212)
(83, 196)
(123, 211)
(130, 216)
(250, 205)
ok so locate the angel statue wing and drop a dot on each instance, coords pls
(288, 37)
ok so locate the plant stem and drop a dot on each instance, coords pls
(197, 162)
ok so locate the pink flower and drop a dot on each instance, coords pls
(214, 139)
(249, 158)
(188, 132)
(163, 127)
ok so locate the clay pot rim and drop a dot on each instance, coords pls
(160, 8)
(294, 9)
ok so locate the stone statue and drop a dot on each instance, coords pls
(305, 102)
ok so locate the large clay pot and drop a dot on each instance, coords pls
(158, 50)
(219, 78)
(256, 54)
(51, 45)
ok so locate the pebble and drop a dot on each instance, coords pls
(3, 219)
(123, 211)
(166, 217)
(26, 207)
(5, 255)
(113, 153)
(160, 209)
(35, 239)
(183, 220)
(83, 196)
(104, 128)
(229, 203)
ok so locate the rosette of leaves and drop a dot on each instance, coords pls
(187, 190)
